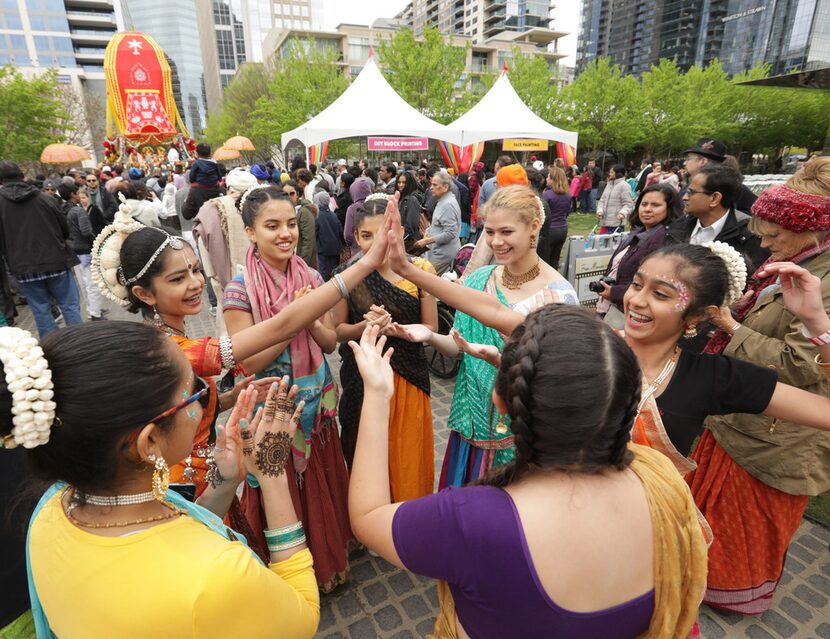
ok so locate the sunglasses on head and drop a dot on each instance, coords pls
(201, 394)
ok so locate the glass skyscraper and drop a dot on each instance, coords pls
(787, 34)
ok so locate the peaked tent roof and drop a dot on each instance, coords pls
(502, 114)
(369, 106)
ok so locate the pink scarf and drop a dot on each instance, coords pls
(270, 291)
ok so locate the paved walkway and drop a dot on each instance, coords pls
(382, 601)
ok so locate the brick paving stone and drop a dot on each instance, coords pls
(801, 553)
(363, 629)
(401, 583)
(757, 632)
(415, 607)
(823, 630)
(403, 634)
(710, 628)
(376, 593)
(795, 610)
(812, 543)
(819, 583)
(809, 596)
(348, 606)
(388, 618)
(779, 623)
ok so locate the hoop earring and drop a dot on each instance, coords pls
(690, 332)
(533, 241)
(161, 477)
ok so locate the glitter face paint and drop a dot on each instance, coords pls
(680, 287)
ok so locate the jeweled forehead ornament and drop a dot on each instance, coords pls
(170, 240)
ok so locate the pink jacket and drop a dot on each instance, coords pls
(576, 186)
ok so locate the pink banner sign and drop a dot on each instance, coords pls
(398, 144)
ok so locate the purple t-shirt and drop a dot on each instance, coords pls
(473, 539)
(560, 208)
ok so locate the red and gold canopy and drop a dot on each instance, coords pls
(140, 101)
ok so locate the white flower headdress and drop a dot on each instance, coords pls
(29, 381)
(377, 196)
(735, 266)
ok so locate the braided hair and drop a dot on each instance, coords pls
(253, 199)
(571, 386)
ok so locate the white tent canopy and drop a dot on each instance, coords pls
(369, 106)
(502, 114)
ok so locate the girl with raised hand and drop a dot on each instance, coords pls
(589, 536)
(159, 275)
(274, 277)
(519, 283)
(140, 560)
(384, 297)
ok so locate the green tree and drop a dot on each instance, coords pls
(425, 72)
(605, 107)
(33, 113)
(305, 81)
(239, 102)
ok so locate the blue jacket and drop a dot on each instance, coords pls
(329, 233)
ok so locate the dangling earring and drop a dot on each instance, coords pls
(690, 332)
(533, 241)
(161, 477)
(157, 321)
(501, 427)
(189, 472)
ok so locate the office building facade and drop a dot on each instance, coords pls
(786, 34)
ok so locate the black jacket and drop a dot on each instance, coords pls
(734, 233)
(81, 233)
(33, 231)
(105, 201)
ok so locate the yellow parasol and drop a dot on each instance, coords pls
(223, 153)
(239, 143)
(63, 154)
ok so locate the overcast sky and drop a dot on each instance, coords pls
(565, 15)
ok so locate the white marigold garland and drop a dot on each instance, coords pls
(735, 266)
(29, 382)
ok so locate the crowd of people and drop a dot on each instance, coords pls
(615, 467)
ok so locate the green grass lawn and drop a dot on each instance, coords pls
(581, 223)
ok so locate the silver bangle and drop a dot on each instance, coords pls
(226, 352)
(341, 284)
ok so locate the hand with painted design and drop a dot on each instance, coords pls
(273, 430)
(228, 453)
(261, 386)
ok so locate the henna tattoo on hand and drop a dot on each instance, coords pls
(247, 440)
(272, 453)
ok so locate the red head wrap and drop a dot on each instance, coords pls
(793, 210)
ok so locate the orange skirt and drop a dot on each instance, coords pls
(411, 449)
(752, 524)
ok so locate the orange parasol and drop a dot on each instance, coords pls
(239, 143)
(63, 154)
(223, 153)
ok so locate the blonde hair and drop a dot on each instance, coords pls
(559, 180)
(517, 198)
(812, 178)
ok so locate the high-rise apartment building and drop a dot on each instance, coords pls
(478, 19)
(232, 31)
(70, 35)
(787, 34)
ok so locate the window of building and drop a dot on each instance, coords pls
(221, 13)
(359, 49)
(224, 48)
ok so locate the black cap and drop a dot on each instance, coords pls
(709, 148)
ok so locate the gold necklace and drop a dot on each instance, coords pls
(513, 282)
(166, 328)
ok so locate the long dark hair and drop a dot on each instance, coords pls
(674, 205)
(110, 378)
(410, 186)
(703, 272)
(571, 386)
